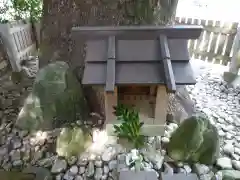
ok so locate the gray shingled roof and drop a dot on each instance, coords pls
(138, 55)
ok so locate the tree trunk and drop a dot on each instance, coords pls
(59, 16)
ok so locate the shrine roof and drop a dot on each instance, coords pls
(140, 55)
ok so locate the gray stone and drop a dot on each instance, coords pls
(224, 163)
(109, 154)
(72, 160)
(165, 140)
(15, 155)
(168, 169)
(68, 176)
(98, 174)
(17, 144)
(104, 177)
(187, 169)
(73, 170)
(228, 148)
(90, 169)
(236, 157)
(78, 178)
(112, 165)
(23, 134)
(105, 169)
(182, 170)
(37, 155)
(81, 170)
(237, 150)
(236, 164)
(201, 168)
(59, 176)
(17, 163)
(82, 161)
(3, 151)
(207, 176)
(54, 86)
(59, 166)
(98, 163)
(47, 162)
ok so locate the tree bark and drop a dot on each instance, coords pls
(59, 16)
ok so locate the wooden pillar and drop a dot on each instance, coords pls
(161, 106)
(234, 65)
(111, 99)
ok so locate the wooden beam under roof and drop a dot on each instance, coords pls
(137, 32)
(167, 65)
(111, 65)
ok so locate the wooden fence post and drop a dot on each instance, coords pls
(235, 61)
(19, 42)
(10, 46)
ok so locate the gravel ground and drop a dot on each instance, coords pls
(19, 149)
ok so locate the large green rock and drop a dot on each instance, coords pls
(73, 141)
(56, 99)
(195, 140)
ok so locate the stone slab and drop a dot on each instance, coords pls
(142, 175)
(180, 176)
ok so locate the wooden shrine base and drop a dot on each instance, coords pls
(145, 105)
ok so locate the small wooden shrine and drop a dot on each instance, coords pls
(137, 66)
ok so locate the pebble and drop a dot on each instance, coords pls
(90, 169)
(59, 177)
(109, 154)
(201, 168)
(74, 170)
(165, 140)
(106, 169)
(187, 168)
(228, 148)
(68, 176)
(98, 173)
(224, 163)
(112, 165)
(98, 163)
(78, 178)
(168, 169)
(17, 144)
(81, 170)
(72, 160)
(236, 164)
(59, 166)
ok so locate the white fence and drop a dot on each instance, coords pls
(215, 43)
(19, 42)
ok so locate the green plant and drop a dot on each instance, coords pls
(130, 127)
(28, 9)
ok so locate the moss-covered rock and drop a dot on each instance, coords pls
(56, 98)
(195, 140)
(73, 141)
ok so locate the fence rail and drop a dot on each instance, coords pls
(216, 41)
(19, 42)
